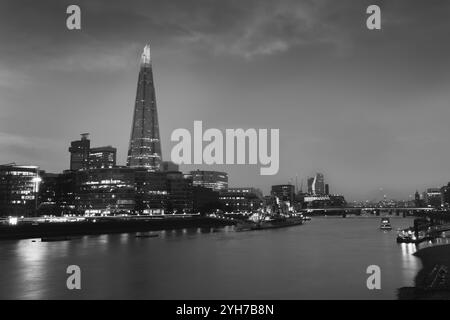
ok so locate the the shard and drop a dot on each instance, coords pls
(145, 145)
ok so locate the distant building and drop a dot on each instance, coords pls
(318, 185)
(324, 201)
(445, 194)
(19, 187)
(48, 194)
(79, 153)
(151, 192)
(102, 157)
(105, 191)
(205, 200)
(83, 157)
(327, 189)
(241, 199)
(180, 198)
(310, 185)
(168, 166)
(284, 198)
(117, 190)
(284, 192)
(215, 180)
(417, 200)
(434, 197)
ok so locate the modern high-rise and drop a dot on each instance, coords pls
(19, 188)
(145, 145)
(318, 185)
(83, 157)
(310, 185)
(79, 152)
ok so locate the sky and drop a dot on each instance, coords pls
(368, 108)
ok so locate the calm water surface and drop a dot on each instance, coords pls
(326, 258)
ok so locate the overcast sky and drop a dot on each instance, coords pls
(369, 109)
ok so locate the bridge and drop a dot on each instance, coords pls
(370, 210)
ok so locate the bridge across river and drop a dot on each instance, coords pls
(370, 210)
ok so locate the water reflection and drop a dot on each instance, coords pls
(291, 263)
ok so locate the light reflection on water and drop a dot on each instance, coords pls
(324, 259)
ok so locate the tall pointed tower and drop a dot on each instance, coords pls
(145, 144)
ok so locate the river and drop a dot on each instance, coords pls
(326, 258)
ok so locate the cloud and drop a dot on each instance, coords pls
(11, 78)
(18, 148)
(264, 28)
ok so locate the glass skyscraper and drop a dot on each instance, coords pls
(145, 144)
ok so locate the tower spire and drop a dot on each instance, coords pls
(145, 145)
(146, 57)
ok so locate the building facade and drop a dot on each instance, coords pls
(241, 199)
(180, 193)
(83, 157)
(105, 191)
(445, 192)
(79, 153)
(318, 185)
(19, 188)
(102, 157)
(215, 180)
(434, 197)
(283, 198)
(145, 145)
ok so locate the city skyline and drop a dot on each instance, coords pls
(383, 125)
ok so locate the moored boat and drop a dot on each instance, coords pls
(269, 222)
(385, 224)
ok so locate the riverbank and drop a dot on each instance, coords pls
(106, 226)
(433, 280)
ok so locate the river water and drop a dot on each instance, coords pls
(326, 258)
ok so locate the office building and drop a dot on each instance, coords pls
(145, 145)
(102, 157)
(215, 180)
(179, 188)
(434, 197)
(318, 185)
(79, 153)
(19, 187)
(241, 199)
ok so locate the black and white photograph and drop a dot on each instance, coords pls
(209, 151)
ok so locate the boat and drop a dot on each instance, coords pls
(269, 222)
(409, 236)
(413, 239)
(385, 224)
